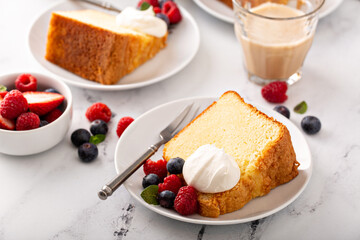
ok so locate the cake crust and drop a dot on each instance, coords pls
(275, 165)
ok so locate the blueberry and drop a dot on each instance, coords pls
(98, 127)
(52, 90)
(150, 179)
(175, 165)
(80, 136)
(282, 110)
(164, 17)
(166, 199)
(311, 124)
(88, 152)
(43, 123)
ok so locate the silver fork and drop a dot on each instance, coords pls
(165, 135)
(102, 4)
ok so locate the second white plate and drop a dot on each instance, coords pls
(144, 132)
(223, 12)
(182, 45)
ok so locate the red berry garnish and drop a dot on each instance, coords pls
(3, 93)
(157, 10)
(186, 201)
(7, 124)
(123, 123)
(154, 3)
(42, 103)
(157, 167)
(13, 104)
(172, 183)
(275, 92)
(98, 111)
(171, 10)
(26, 82)
(27, 121)
(53, 115)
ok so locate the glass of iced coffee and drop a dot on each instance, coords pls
(275, 36)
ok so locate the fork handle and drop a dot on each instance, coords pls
(114, 184)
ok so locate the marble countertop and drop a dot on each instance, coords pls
(53, 195)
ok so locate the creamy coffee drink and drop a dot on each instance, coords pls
(275, 40)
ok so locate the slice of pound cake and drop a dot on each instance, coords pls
(260, 145)
(90, 44)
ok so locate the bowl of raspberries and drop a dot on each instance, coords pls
(35, 113)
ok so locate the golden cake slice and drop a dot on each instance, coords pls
(260, 145)
(91, 45)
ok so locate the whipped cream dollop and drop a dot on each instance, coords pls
(142, 21)
(210, 170)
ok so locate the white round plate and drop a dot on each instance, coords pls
(182, 45)
(223, 12)
(144, 131)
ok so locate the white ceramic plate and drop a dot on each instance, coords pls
(144, 131)
(182, 45)
(223, 12)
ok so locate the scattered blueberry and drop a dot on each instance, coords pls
(175, 165)
(52, 90)
(164, 17)
(98, 127)
(282, 110)
(166, 199)
(88, 152)
(80, 136)
(43, 123)
(311, 124)
(150, 179)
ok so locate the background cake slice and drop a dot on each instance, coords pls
(91, 45)
(260, 145)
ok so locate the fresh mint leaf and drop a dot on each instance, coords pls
(144, 6)
(301, 107)
(149, 194)
(96, 139)
(2, 88)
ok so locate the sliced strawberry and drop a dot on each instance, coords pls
(7, 124)
(43, 102)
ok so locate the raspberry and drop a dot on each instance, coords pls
(186, 201)
(157, 10)
(158, 168)
(171, 183)
(13, 104)
(275, 92)
(27, 121)
(171, 10)
(154, 3)
(53, 115)
(98, 111)
(123, 123)
(26, 82)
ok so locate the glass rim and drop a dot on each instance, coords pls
(236, 2)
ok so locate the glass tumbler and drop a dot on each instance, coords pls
(275, 36)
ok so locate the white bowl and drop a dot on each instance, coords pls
(40, 139)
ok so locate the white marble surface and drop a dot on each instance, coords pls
(53, 195)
